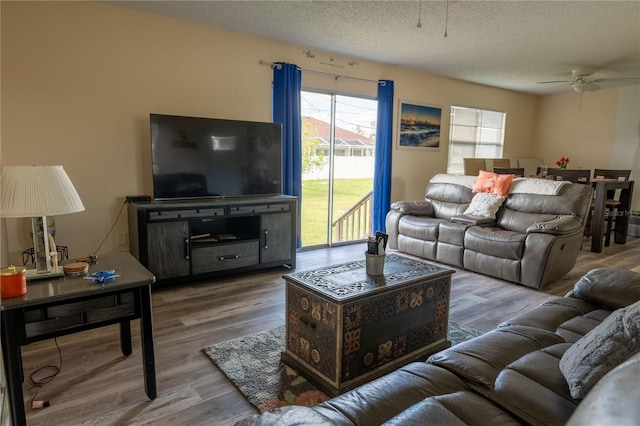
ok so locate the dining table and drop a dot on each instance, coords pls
(602, 186)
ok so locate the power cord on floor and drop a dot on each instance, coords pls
(110, 230)
(49, 373)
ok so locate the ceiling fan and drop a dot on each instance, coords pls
(582, 80)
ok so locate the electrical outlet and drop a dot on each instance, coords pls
(122, 238)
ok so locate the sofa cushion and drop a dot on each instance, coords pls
(611, 287)
(484, 205)
(523, 210)
(452, 233)
(481, 360)
(447, 199)
(533, 389)
(466, 219)
(463, 408)
(600, 350)
(542, 367)
(493, 183)
(420, 227)
(384, 398)
(577, 327)
(430, 409)
(496, 242)
(568, 317)
(417, 208)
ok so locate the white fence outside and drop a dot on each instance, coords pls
(344, 168)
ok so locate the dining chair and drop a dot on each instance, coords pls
(620, 174)
(572, 175)
(518, 171)
(611, 203)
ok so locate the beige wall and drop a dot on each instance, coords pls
(578, 127)
(79, 80)
(598, 129)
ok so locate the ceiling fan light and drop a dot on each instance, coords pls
(591, 86)
(584, 86)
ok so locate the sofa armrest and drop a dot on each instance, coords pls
(562, 225)
(467, 219)
(612, 288)
(415, 208)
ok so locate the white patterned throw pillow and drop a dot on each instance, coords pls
(484, 204)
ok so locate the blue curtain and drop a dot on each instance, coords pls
(384, 145)
(287, 83)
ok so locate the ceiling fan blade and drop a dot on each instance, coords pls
(555, 81)
(616, 79)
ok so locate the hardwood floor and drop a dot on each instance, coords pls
(97, 385)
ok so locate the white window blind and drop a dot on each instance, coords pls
(474, 133)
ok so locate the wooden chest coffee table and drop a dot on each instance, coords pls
(345, 327)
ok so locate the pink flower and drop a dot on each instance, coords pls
(562, 162)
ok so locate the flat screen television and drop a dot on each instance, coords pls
(209, 157)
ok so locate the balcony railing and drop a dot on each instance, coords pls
(355, 223)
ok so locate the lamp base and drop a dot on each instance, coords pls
(33, 274)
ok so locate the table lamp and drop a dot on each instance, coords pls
(38, 192)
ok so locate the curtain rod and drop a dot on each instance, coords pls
(336, 76)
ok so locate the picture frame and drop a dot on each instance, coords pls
(419, 126)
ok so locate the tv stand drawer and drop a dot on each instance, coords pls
(221, 257)
(184, 214)
(258, 208)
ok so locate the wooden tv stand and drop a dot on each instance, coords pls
(185, 240)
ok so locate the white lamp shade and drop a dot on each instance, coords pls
(31, 191)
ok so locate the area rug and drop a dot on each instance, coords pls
(252, 363)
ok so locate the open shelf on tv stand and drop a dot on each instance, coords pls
(175, 240)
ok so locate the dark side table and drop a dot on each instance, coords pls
(66, 305)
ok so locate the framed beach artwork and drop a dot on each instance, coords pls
(419, 126)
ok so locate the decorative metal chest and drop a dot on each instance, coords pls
(345, 327)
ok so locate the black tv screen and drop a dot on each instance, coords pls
(209, 157)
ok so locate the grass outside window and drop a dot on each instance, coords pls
(347, 192)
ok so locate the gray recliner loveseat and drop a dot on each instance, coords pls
(533, 239)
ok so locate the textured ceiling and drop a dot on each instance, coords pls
(508, 44)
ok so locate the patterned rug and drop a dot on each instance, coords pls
(253, 365)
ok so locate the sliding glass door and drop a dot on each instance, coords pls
(338, 153)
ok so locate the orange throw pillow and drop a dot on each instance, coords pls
(493, 183)
(501, 185)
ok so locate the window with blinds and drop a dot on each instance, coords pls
(474, 133)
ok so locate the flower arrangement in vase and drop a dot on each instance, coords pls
(562, 162)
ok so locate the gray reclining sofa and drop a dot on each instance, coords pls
(534, 238)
